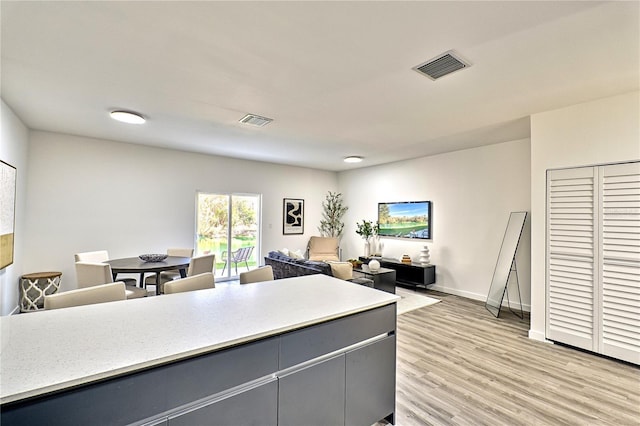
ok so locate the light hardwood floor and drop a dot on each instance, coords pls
(459, 365)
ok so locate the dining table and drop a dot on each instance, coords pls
(135, 265)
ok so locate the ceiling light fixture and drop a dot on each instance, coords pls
(128, 117)
(353, 159)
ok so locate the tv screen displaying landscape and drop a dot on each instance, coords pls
(411, 219)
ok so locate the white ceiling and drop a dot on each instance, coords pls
(336, 77)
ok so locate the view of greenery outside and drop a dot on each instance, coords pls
(213, 222)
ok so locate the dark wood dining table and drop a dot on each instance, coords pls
(135, 265)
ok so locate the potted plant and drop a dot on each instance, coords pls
(366, 230)
(333, 209)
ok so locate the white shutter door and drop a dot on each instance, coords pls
(620, 254)
(571, 258)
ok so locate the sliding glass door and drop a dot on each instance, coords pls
(228, 225)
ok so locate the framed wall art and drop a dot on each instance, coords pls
(7, 212)
(293, 216)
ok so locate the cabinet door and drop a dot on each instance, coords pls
(313, 395)
(620, 259)
(253, 407)
(571, 256)
(371, 382)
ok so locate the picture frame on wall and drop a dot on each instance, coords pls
(293, 216)
(7, 212)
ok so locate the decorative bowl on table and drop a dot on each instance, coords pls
(153, 257)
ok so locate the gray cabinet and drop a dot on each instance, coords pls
(313, 395)
(370, 383)
(256, 406)
(337, 372)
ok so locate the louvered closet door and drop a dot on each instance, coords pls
(571, 257)
(620, 258)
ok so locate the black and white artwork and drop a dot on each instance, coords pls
(293, 216)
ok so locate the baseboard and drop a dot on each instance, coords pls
(471, 295)
(539, 336)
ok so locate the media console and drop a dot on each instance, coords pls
(414, 274)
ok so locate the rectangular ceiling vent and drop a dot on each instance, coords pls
(442, 65)
(255, 120)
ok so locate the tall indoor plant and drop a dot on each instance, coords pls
(333, 209)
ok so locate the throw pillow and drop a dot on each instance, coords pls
(296, 254)
(342, 270)
(285, 251)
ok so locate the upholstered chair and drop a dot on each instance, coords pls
(264, 273)
(90, 274)
(323, 249)
(195, 282)
(101, 256)
(198, 265)
(110, 292)
(172, 274)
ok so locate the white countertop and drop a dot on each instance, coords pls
(52, 350)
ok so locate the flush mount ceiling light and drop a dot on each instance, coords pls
(255, 120)
(128, 117)
(353, 159)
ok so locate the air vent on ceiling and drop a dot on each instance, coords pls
(255, 120)
(442, 65)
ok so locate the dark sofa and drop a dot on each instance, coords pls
(287, 267)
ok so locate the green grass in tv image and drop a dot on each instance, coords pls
(404, 229)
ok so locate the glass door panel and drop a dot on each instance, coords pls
(229, 226)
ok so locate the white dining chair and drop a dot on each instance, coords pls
(110, 292)
(101, 256)
(198, 265)
(90, 274)
(172, 274)
(196, 282)
(264, 273)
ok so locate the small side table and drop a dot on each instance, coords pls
(33, 288)
(383, 279)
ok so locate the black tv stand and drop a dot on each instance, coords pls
(414, 274)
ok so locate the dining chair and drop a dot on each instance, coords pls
(110, 292)
(195, 282)
(241, 255)
(90, 274)
(198, 265)
(172, 274)
(101, 256)
(264, 273)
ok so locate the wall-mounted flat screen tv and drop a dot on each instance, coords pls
(408, 219)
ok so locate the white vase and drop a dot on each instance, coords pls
(366, 248)
(424, 258)
(374, 265)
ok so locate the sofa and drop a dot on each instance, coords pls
(286, 267)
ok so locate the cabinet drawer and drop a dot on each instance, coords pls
(199, 377)
(254, 407)
(314, 341)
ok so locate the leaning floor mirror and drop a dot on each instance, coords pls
(506, 265)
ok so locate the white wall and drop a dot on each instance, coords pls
(87, 194)
(598, 132)
(473, 192)
(14, 148)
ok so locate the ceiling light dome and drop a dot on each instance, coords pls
(128, 117)
(353, 159)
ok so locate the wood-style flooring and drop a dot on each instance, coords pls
(459, 365)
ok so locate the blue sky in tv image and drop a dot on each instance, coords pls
(409, 219)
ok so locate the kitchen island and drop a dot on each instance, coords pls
(304, 350)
